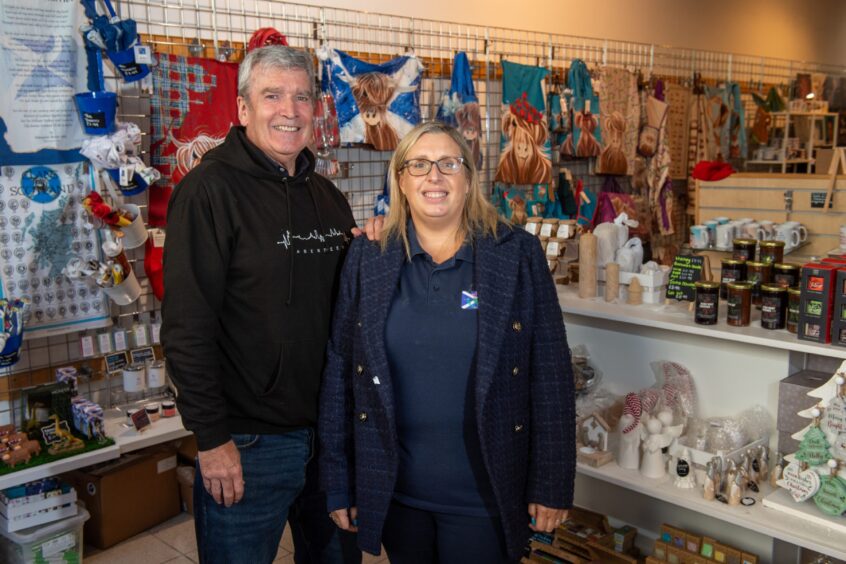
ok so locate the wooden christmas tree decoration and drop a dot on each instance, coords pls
(831, 497)
(814, 448)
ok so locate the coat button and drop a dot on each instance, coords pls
(518, 428)
(359, 369)
(358, 323)
(516, 371)
(517, 326)
(362, 416)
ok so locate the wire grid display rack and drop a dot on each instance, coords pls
(221, 29)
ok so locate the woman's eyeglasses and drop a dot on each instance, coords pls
(421, 167)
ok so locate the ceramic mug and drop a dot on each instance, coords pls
(843, 236)
(722, 220)
(768, 227)
(712, 230)
(725, 236)
(752, 230)
(789, 235)
(799, 228)
(699, 237)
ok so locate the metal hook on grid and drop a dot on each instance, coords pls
(196, 47)
(225, 51)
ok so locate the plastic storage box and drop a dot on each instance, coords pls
(57, 542)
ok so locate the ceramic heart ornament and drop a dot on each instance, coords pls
(802, 484)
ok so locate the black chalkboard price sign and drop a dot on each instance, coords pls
(685, 272)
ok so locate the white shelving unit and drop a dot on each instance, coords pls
(126, 440)
(734, 368)
(783, 121)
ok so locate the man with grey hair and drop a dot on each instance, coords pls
(254, 247)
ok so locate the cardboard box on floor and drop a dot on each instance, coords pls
(129, 495)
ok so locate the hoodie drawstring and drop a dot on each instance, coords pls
(290, 230)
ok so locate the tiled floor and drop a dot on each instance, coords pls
(173, 542)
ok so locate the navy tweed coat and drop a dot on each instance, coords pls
(524, 386)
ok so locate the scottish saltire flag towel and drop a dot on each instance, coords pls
(460, 106)
(377, 104)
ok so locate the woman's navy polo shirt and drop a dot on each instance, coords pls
(430, 336)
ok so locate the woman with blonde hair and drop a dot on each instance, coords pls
(446, 409)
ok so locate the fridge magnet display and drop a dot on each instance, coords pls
(43, 227)
(376, 104)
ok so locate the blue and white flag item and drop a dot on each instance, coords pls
(377, 104)
(469, 299)
(460, 106)
(43, 226)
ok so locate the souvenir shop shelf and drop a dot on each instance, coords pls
(754, 518)
(125, 440)
(733, 369)
(676, 317)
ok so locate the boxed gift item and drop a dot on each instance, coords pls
(793, 398)
(117, 494)
(817, 302)
(36, 503)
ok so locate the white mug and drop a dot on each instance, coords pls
(752, 230)
(789, 235)
(722, 220)
(799, 228)
(725, 236)
(768, 228)
(843, 236)
(712, 230)
(699, 237)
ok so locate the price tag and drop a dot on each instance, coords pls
(140, 335)
(104, 341)
(120, 340)
(156, 330)
(158, 237)
(87, 343)
(126, 174)
(143, 54)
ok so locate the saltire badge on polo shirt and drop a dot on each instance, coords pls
(469, 300)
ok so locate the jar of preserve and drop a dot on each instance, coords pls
(771, 251)
(739, 303)
(758, 273)
(744, 249)
(786, 274)
(773, 306)
(707, 302)
(794, 298)
(731, 270)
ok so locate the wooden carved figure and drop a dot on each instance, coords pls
(710, 491)
(736, 490)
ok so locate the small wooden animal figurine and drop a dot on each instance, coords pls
(710, 482)
(736, 490)
(775, 475)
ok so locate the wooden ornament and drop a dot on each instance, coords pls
(587, 265)
(834, 421)
(801, 484)
(612, 281)
(831, 497)
(814, 448)
(635, 292)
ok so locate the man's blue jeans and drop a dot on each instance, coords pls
(249, 531)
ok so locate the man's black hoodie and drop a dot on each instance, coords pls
(251, 266)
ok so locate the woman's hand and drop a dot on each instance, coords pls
(545, 519)
(345, 520)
